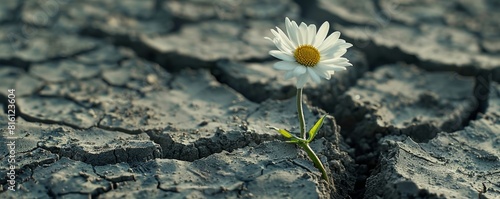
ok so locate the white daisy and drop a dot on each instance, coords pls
(306, 53)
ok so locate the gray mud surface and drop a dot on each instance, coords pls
(171, 99)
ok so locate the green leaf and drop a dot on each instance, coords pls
(282, 131)
(292, 138)
(293, 141)
(285, 133)
(315, 129)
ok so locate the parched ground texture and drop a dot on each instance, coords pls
(171, 99)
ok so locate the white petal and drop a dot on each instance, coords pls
(278, 41)
(295, 33)
(322, 73)
(331, 53)
(299, 70)
(343, 43)
(284, 65)
(331, 67)
(281, 55)
(313, 75)
(334, 61)
(339, 68)
(311, 31)
(292, 31)
(282, 38)
(287, 25)
(288, 75)
(301, 81)
(332, 48)
(303, 33)
(347, 45)
(340, 45)
(328, 54)
(339, 53)
(275, 33)
(289, 31)
(281, 47)
(285, 39)
(322, 32)
(329, 41)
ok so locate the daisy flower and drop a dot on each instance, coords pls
(306, 53)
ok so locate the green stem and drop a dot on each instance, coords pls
(300, 114)
(315, 159)
(305, 145)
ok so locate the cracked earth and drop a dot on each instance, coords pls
(171, 99)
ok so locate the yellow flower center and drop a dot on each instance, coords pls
(307, 55)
